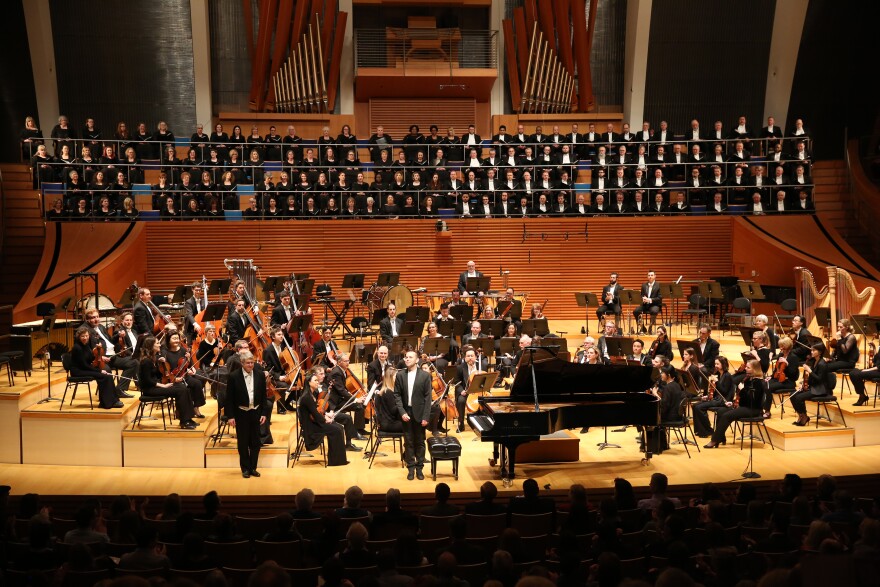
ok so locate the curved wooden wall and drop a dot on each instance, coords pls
(556, 260)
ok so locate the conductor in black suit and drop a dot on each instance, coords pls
(245, 403)
(391, 325)
(651, 299)
(471, 272)
(412, 392)
(610, 298)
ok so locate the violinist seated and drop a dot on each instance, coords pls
(748, 402)
(439, 361)
(759, 352)
(581, 355)
(177, 359)
(859, 376)
(150, 381)
(801, 336)
(661, 345)
(339, 397)
(316, 425)
(327, 347)
(671, 395)
(845, 347)
(82, 358)
(207, 360)
(117, 349)
(719, 394)
(785, 373)
(761, 322)
(690, 366)
(815, 383)
(709, 348)
(275, 370)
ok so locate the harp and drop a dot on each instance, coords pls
(839, 299)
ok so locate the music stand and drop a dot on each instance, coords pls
(585, 300)
(306, 287)
(272, 284)
(711, 290)
(299, 324)
(412, 328)
(420, 313)
(630, 297)
(379, 315)
(214, 312)
(462, 312)
(535, 327)
(301, 302)
(399, 341)
(482, 383)
(216, 287)
(492, 327)
(751, 290)
(478, 284)
(509, 345)
(674, 292)
(437, 347)
(866, 326)
(387, 279)
(125, 300)
(746, 332)
(353, 281)
(483, 345)
(450, 375)
(692, 390)
(619, 346)
(823, 318)
(689, 344)
(181, 294)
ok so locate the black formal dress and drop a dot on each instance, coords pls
(149, 377)
(315, 428)
(751, 392)
(723, 394)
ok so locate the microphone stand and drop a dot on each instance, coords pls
(49, 398)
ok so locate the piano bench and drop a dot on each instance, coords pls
(444, 448)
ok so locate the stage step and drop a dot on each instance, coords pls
(788, 437)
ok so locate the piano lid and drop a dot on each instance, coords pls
(559, 378)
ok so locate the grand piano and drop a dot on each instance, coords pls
(562, 395)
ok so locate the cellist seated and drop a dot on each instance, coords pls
(341, 400)
(272, 362)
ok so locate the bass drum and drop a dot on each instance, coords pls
(400, 295)
(102, 303)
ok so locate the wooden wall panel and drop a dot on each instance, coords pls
(397, 115)
(546, 265)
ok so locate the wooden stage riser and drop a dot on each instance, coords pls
(14, 402)
(87, 441)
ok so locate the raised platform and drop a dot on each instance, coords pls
(14, 400)
(149, 445)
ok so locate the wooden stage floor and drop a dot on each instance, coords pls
(596, 468)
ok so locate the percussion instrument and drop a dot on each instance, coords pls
(380, 297)
(102, 303)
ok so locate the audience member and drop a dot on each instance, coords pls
(659, 483)
(441, 507)
(486, 506)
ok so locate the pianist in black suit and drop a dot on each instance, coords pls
(671, 395)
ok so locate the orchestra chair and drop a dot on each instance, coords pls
(697, 306)
(823, 401)
(12, 357)
(300, 446)
(74, 382)
(680, 428)
(756, 421)
(152, 401)
(4, 362)
(876, 392)
(222, 430)
(789, 305)
(846, 382)
(743, 310)
(378, 436)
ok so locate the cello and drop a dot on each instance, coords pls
(357, 390)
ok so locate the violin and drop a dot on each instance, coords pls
(98, 361)
(779, 370)
(652, 352)
(323, 401)
(713, 380)
(172, 374)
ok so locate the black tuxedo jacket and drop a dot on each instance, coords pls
(385, 327)
(236, 391)
(189, 317)
(375, 372)
(653, 293)
(615, 300)
(143, 318)
(711, 352)
(278, 315)
(421, 395)
(235, 327)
